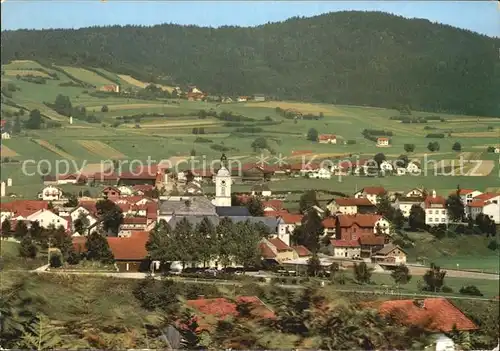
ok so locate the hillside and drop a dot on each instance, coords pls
(361, 58)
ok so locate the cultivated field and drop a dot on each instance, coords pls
(25, 72)
(5, 151)
(140, 84)
(86, 76)
(45, 144)
(101, 149)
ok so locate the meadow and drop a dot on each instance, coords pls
(160, 137)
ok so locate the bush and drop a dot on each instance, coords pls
(446, 289)
(202, 140)
(435, 135)
(471, 290)
(104, 108)
(55, 260)
(493, 245)
(73, 258)
(490, 149)
(351, 142)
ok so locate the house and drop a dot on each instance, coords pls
(5, 135)
(353, 227)
(405, 203)
(261, 190)
(329, 226)
(435, 210)
(210, 311)
(496, 150)
(371, 193)
(272, 205)
(390, 254)
(302, 251)
(130, 253)
(193, 188)
(111, 192)
(82, 212)
(110, 88)
(383, 141)
(416, 192)
(386, 166)
(142, 189)
(327, 139)
(321, 173)
(51, 193)
(259, 97)
(287, 225)
(130, 224)
(487, 204)
(242, 98)
(435, 315)
(64, 179)
(47, 218)
(345, 205)
(371, 244)
(413, 167)
(123, 190)
(466, 195)
(227, 100)
(21, 208)
(345, 248)
(133, 178)
(276, 250)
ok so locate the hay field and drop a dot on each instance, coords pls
(126, 107)
(25, 72)
(46, 145)
(100, 149)
(5, 151)
(86, 76)
(299, 106)
(135, 82)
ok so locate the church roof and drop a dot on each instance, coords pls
(228, 211)
(223, 172)
(271, 223)
(194, 206)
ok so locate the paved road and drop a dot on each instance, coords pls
(382, 292)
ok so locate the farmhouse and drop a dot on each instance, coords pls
(51, 193)
(5, 135)
(345, 248)
(488, 204)
(276, 250)
(327, 139)
(21, 208)
(110, 88)
(353, 227)
(350, 206)
(287, 225)
(416, 192)
(390, 254)
(405, 203)
(103, 178)
(242, 98)
(466, 195)
(371, 193)
(130, 178)
(259, 97)
(371, 244)
(435, 210)
(261, 190)
(383, 141)
(47, 218)
(111, 192)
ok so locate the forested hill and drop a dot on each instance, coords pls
(362, 58)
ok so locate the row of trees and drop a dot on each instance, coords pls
(226, 243)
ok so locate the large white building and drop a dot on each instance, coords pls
(223, 187)
(488, 204)
(47, 218)
(435, 210)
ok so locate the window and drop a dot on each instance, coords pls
(443, 211)
(430, 219)
(443, 220)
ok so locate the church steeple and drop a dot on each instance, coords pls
(223, 183)
(223, 161)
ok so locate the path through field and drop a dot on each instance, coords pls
(45, 144)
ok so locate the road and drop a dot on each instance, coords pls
(137, 275)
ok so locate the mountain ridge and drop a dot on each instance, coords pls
(349, 57)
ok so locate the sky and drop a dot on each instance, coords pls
(479, 16)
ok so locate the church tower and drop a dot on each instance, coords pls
(223, 185)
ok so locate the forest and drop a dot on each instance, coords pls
(354, 58)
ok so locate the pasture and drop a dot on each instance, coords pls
(86, 76)
(101, 149)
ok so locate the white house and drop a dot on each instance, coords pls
(492, 210)
(80, 212)
(327, 139)
(242, 98)
(371, 193)
(45, 218)
(261, 190)
(413, 167)
(5, 135)
(415, 192)
(51, 193)
(321, 173)
(466, 195)
(345, 248)
(488, 204)
(435, 210)
(386, 166)
(350, 206)
(406, 203)
(382, 141)
(287, 224)
(125, 190)
(382, 226)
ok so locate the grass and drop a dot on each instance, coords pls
(11, 261)
(101, 149)
(86, 76)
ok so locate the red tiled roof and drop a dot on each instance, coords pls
(485, 196)
(24, 207)
(382, 138)
(112, 188)
(436, 315)
(143, 175)
(345, 243)
(326, 137)
(363, 220)
(329, 222)
(292, 218)
(143, 187)
(266, 251)
(89, 205)
(279, 244)
(438, 200)
(134, 220)
(277, 205)
(132, 248)
(373, 190)
(352, 201)
(372, 240)
(302, 251)
(476, 203)
(463, 192)
(221, 308)
(279, 213)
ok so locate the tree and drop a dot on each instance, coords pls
(309, 232)
(246, 238)
(193, 152)
(81, 223)
(409, 147)
(206, 241)
(398, 219)
(379, 158)
(334, 268)
(72, 201)
(55, 260)
(36, 232)
(35, 120)
(259, 143)
(307, 200)
(226, 245)
(416, 220)
(21, 230)
(62, 241)
(73, 258)
(158, 244)
(6, 227)
(254, 206)
(312, 135)
(433, 146)
(457, 147)
(362, 273)
(16, 129)
(27, 248)
(98, 248)
(384, 206)
(104, 108)
(434, 278)
(402, 161)
(110, 214)
(401, 274)
(40, 335)
(313, 265)
(455, 206)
